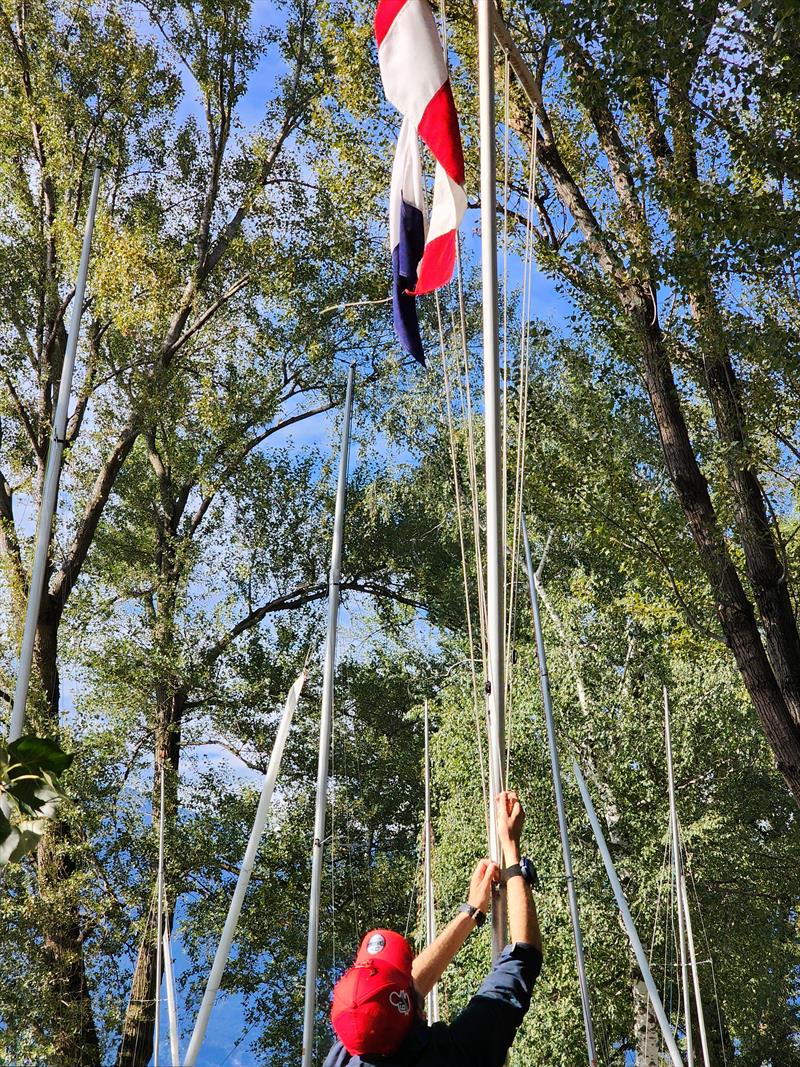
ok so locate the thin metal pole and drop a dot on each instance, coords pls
(627, 918)
(698, 1000)
(160, 915)
(677, 867)
(430, 914)
(52, 474)
(172, 1004)
(245, 871)
(555, 768)
(495, 528)
(325, 727)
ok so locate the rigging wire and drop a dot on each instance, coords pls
(711, 962)
(504, 479)
(522, 424)
(332, 793)
(464, 571)
(659, 891)
(414, 880)
(356, 735)
(130, 995)
(160, 911)
(465, 403)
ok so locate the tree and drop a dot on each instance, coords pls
(668, 126)
(176, 247)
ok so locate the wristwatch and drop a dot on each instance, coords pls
(474, 913)
(525, 869)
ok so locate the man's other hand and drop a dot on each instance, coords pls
(510, 819)
(480, 886)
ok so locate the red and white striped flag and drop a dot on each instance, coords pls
(415, 79)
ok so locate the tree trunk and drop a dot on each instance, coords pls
(136, 1042)
(75, 1040)
(733, 606)
(646, 1031)
(766, 571)
(775, 708)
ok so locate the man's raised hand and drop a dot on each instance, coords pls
(480, 886)
(510, 819)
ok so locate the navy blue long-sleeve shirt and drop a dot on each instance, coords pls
(480, 1036)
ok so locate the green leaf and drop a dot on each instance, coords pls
(25, 837)
(38, 754)
(17, 841)
(35, 796)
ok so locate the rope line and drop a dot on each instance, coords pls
(464, 572)
(522, 430)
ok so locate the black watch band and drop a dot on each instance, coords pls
(524, 869)
(512, 872)
(474, 913)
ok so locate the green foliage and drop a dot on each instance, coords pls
(30, 769)
(262, 146)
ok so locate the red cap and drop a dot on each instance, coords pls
(373, 1005)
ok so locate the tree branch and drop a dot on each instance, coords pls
(69, 571)
(298, 598)
(24, 417)
(210, 311)
(254, 442)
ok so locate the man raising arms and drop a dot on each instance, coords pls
(378, 1010)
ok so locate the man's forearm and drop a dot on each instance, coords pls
(523, 922)
(432, 962)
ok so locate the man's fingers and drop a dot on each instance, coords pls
(480, 870)
(491, 874)
(508, 801)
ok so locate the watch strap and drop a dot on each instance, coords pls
(512, 872)
(525, 869)
(474, 913)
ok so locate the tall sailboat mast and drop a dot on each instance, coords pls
(325, 730)
(430, 914)
(684, 915)
(495, 527)
(563, 829)
(627, 919)
(52, 476)
(677, 868)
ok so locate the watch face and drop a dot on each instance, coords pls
(529, 872)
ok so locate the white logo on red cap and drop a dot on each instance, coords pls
(376, 944)
(400, 999)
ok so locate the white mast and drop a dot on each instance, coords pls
(172, 1004)
(51, 478)
(698, 1000)
(677, 868)
(555, 768)
(430, 914)
(159, 914)
(495, 540)
(325, 727)
(684, 916)
(245, 871)
(627, 918)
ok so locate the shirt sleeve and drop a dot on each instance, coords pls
(484, 1031)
